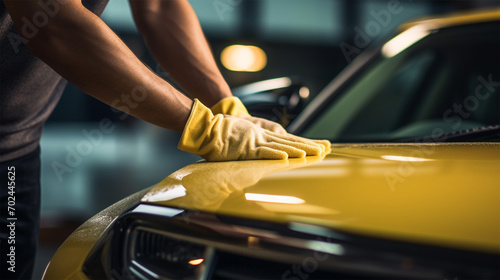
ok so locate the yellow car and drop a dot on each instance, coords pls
(411, 188)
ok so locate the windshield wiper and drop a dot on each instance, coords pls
(481, 134)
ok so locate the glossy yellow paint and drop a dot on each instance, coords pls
(441, 194)
(461, 18)
(67, 262)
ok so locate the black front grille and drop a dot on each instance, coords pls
(154, 254)
(160, 248)
(236, 267)
(168, 258)
(146, 246)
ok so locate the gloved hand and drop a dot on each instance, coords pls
(234, 107)
(223, 138)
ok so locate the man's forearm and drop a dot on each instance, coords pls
(174, 36)
(81, 47)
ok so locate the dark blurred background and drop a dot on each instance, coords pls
(301, 38)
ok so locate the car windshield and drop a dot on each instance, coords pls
(447, 82)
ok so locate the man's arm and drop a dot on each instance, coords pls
(174, 36)
(82, 48)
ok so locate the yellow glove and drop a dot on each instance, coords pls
(234, 107)
(223, 138)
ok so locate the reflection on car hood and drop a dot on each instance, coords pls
(445, 194)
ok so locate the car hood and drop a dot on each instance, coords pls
(437, 194)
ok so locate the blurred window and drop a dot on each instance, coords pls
(214, 15)
(219, 18)
(386, 19)
(320, 21)
(118, 16)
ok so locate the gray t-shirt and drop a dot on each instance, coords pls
(29, 88)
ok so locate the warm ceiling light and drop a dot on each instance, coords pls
(195, 261)
(304, 92)
(243, 58)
